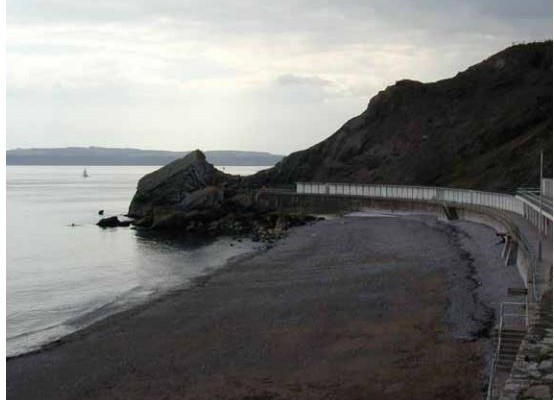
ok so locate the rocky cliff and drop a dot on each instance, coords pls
(481, 129)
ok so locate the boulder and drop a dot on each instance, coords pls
(112, 222)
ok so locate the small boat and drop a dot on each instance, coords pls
(85, 175)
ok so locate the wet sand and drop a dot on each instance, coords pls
(350, 308)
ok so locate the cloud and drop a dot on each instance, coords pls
(292, 79)
(175, 73)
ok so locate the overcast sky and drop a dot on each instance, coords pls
(271, 75)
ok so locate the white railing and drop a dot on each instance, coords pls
(423, 193)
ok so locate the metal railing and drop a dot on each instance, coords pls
(419, 193)
(503, 316)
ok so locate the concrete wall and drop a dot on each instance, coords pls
(500, 222)
(317, 204)
(338, 204)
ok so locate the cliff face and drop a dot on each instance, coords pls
(481, 129)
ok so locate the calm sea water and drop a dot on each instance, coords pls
(61, 277)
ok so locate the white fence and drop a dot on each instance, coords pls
(546, 187)
(423, 193)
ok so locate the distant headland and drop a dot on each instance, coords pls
(128, 156)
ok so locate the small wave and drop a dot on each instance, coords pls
(33, 332)
(31, 340)
(125, 300)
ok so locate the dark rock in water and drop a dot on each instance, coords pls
(100, 212)
(112, 222)
(188, 194)
(109, 222)
(175, 184)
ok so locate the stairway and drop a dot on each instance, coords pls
(513, 379)
(510, 340)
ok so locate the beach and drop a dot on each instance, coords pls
(347, 308)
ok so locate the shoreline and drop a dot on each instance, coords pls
(245, 273)
(152, 297)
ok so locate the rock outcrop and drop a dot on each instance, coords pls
(191, 195)
(112, 222)
(482, 129)
(184, 184)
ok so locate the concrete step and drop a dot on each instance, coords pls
(509, 340)
(505, 350)
(516, 331)
(512, 334)
(510, 346)
(517, 291)
(505, 363)
(504, 368)
(507, 357)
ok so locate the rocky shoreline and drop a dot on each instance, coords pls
(190, 195)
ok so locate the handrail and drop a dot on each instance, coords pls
(492, 375)
(501, 201)
(394, 185)
(496, 354)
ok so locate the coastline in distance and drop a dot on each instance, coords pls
(128, 156)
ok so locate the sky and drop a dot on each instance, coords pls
(275, 76)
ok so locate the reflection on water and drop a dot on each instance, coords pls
(61, 277)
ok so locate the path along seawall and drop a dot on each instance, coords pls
(526, 247)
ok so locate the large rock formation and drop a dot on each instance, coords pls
(191, 195)
(482, 129)
(182, 185)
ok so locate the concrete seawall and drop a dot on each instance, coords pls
(516, 250)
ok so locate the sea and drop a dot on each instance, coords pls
(64, 272)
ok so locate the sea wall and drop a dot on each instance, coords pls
(337, 204)
(516, 249)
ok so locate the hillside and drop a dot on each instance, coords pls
(111, 156)
(481, 129)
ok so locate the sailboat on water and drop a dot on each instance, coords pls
(85, 174)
